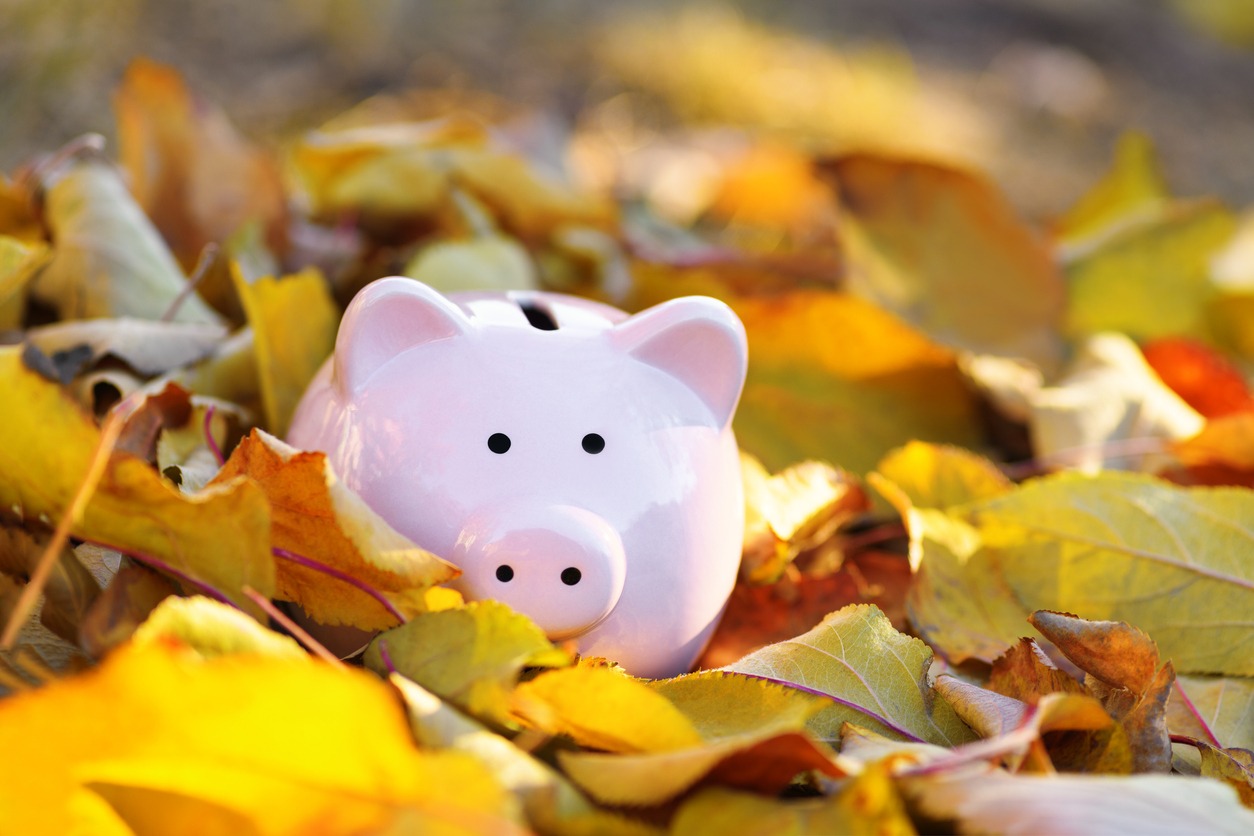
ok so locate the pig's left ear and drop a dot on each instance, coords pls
(698, 341)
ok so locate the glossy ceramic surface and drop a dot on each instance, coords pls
(574, 462)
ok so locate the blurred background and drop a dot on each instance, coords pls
(1034, 92)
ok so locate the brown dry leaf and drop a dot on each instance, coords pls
(132, 594)
(294, 321)
(315, 517)
(1122, 670)
(189, 169)
(48, 445)
(108, 260)
(792, 511)
(69, 591)
(1027, 674)
(177, 724)
(941, 248)
(1235, 767)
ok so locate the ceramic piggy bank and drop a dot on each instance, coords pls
(575, 463)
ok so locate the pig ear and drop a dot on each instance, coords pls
(698, 341)
(384, 319)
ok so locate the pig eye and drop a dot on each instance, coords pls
(593, 443)
(498, 443)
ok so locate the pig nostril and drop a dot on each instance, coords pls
(593, 443)
(505, 573)
(571, 576)
(498, 443)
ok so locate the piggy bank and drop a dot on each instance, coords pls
(576, 463)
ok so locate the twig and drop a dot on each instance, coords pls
(207, 256)
(312, 644)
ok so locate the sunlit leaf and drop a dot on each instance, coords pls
(19, 262)
(844, 657)
(294, 322)
(108, 260)
(358, 770)
(942, 249)
(1130, 194)
(471, 656)
(147, 347)
(219, 537)
(937, 476)
(315, 517)
(212, 628)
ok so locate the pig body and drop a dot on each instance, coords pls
(575, 463)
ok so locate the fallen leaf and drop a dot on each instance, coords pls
(842, 658)
(1235, 767)
(938, 476)
(1028, 804)
(792, 511)
(1027, 674)
(150, 348)
(1132, 193)
(19, 262)
(107, 259)
(1204, 378)
(1221, 454)
(470, 656)
(212, 628)
(603, 708)
(834, 378)
(1208, 707)
(132, 594)
(550, 802)
(487, 262)
(294, 322)
(941, 248)
(1152, 280)
(48, 445)
(359, 769)
(865, 805)
(188, 167)
(314, 517)
(69, 591)
(1109, 412)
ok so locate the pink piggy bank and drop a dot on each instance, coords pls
(576, 463)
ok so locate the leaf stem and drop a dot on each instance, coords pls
(209, 439)
(311, 644)
(385, 656)
(883, 721)
(1197, 715)
(161, 566)
(203, 263)
(318, 566)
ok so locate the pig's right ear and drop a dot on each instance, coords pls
(385, 318)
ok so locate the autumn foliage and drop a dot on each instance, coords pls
(998, 567)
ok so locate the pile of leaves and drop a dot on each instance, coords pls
(998, 569)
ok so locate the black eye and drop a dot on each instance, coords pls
(499, 443)
(593, 443)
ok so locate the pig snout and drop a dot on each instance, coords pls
(562, 566)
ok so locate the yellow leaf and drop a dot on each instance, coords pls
(294, 321)
(1130, 548)
(246, 733)
(938, 476)
(941, 248)
(218, 537)
(1153, 280)
(835, 378)
(865, 805)
(791, 511)
(1224, 706)
(213, 629)
(19, 262)
(108, 260)
(551, 803)
(471, 656)
(843, 658)
(1132, 193)
(489, 262)
(602, 708)
(314, 516)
